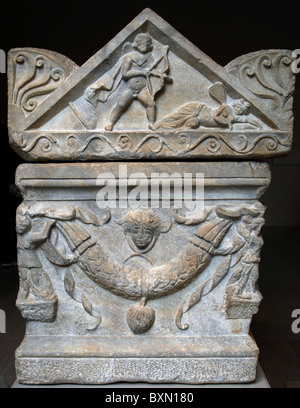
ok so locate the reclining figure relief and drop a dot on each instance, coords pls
(194, 115)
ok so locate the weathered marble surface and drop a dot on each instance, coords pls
(149, 93)
(172, 304)
(138, 288)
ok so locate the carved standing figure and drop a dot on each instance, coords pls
(43, 230)
(244, 280)
(33, 279)
(35, 285)
(135, 68)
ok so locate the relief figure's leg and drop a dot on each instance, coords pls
(124, 101)
(148, 102)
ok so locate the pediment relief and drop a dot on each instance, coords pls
(149, 93)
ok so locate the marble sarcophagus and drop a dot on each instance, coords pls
(139, 234)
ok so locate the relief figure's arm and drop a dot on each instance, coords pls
(37, 238)
(247, 119)
(222, 116)
(128, 72)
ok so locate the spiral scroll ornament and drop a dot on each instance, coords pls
(35, 76)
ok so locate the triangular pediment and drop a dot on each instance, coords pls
(180, 89)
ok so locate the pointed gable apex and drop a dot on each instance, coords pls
(149, 21)
(241, 110)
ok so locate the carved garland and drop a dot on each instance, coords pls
(155, 282)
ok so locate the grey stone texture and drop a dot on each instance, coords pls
(137, 261)
(173, 307)
(166, 100)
